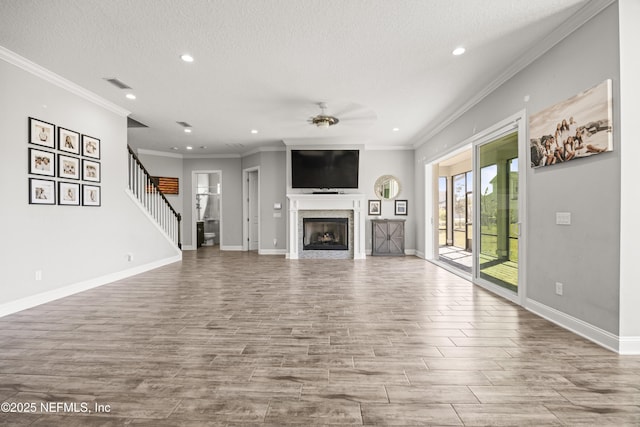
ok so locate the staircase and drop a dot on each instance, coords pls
(145, 190)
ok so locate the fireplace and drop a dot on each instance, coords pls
(331, 206)
(328, 234)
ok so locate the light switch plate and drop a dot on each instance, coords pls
(563, 218)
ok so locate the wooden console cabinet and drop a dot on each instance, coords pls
(387, 237)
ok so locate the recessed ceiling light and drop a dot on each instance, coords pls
(130, 96)
(186, 57)
(188, 147)
(459, 51)
(174, 148)
(203, 147)
(254, 131)
(187, 130)
(395, 129)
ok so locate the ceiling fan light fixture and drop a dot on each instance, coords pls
(323, 121)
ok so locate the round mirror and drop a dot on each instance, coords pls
(387, 187)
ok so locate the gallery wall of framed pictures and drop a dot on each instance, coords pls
(64, 166)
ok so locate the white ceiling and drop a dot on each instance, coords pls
(264, 64)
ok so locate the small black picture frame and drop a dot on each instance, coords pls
(68, 167)
(68, 141)
(42, 191)
(69, 193)
(42, 162)
(91, 195)
(401, 207)
(42, 133)
(375, 207)
(90, 147)
(90, 170)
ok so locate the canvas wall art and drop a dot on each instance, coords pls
(575, 128)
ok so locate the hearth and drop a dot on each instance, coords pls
(328, 234)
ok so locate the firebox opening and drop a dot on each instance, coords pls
(330, 234)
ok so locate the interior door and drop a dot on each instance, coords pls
(254, 217)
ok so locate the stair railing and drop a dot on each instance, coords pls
(146, 191)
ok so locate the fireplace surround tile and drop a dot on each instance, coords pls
(351, 206)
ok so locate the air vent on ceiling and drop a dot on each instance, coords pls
(133, 123)
(184, 124)
(117, 83)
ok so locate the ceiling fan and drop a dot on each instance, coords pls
(323, 120)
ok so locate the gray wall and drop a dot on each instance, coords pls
(585, 255)
(399, 163)
(273, 190)
(231, 209)
(69, 244)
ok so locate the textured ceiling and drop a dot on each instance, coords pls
(265, 64)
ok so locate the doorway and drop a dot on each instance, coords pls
(455, 210)
(207, 209)
(251, 209)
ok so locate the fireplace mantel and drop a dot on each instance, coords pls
(327, 202)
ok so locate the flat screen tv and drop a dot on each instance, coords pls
(324, 168)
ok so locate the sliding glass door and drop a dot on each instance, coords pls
(463, 210)
(442, 210)
(498, 211)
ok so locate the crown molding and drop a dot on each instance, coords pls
(329, 142)
(211, 156)
(53, 78)
(158, 153)
(262, 150)
(575, 21)
(370, 147)
(208, 156)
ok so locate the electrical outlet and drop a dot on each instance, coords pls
(559, 288)
(129, 257)
(38, 274)
(275, 242)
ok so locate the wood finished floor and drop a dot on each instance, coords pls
(236, 339)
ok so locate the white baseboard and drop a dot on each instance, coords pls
(580, 327)
(629, 346)
(231, 248)
(420, 254)
(65, 291)
(188, 248)
(272, 251)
